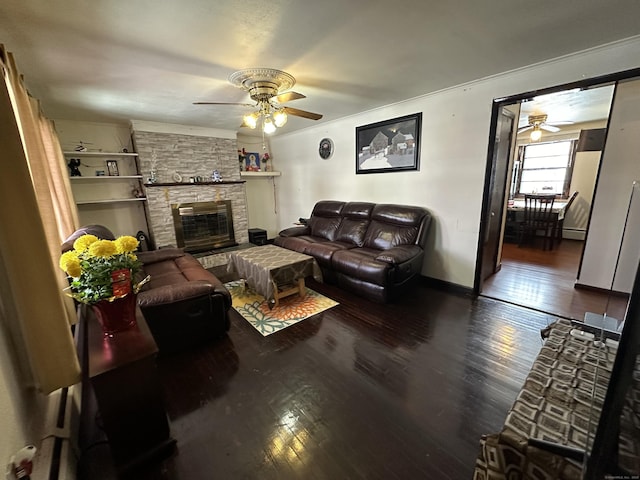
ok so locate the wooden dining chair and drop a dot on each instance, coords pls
(538, 218)
(560, 224)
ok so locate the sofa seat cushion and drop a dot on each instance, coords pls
(323, 251)
(361, 263)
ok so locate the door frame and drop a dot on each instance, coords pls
(487, 194)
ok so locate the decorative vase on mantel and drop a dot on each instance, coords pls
(116, 316)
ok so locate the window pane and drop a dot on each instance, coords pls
(549, 149)
(545, 167)
(550, 174)
(546, 162)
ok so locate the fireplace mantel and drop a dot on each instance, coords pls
(194, 184)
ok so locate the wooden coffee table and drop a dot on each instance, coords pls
(274, 272)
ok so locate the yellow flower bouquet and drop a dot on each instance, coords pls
(101, 269)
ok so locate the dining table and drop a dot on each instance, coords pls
(515, 216)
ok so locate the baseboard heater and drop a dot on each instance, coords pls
(574, 233)
(55, 458)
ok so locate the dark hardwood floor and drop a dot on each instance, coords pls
(544, 280)
(360, 391)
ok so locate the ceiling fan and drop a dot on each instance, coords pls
(269, 88)
(540, 122)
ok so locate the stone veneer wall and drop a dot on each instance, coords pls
(189, 156)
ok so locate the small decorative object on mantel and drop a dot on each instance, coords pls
(253, 162)
(101, 275)
(242, 155)
(154, 167)
(216, 177)
(265, 160)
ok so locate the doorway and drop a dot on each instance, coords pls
(528, 275)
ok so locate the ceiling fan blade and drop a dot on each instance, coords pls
(289, 96)
(567, 122)
(549, 128)
(302, 113)
(524, 129)
(224, 103)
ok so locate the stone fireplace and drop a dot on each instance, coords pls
(175, 159)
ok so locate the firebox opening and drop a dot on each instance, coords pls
(203, 226)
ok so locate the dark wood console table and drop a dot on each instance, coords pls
(122, 372)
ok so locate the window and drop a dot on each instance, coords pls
(544, 168)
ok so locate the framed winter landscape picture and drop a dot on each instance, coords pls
(389, 146)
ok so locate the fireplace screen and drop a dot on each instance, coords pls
(203, 225)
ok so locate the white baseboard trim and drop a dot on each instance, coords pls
(574, 233)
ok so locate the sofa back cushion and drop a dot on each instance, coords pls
(356, 217)
(393, 225)
(325, 219)
(100, 231)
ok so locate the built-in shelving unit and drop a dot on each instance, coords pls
(109, 190)
(98, 184)
(110, 200)
(104, 177)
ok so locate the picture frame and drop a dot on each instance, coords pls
(112, 168)
(252, 162)
(389, 146)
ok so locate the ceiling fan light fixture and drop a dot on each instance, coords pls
(536, 133)
(251, 120)
(268, 126)
(280, 118)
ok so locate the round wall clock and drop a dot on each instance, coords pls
(326, 148)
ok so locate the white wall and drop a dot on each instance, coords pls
(583, 181)
(453, 156)
(620, 167)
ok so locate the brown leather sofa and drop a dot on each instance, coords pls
(183, 303)
(374, 250)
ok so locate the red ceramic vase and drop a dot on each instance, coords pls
(116, 316)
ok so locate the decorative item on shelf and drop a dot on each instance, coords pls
(99, 173)
(265, 160)
(216, 177)
(101, 275)
(137, 193)
(81, 146)
(74, 170)
(253, 162)
(112, 168)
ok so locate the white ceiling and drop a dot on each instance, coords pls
(116, 60)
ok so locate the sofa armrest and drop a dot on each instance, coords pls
(295, 231)
(399, 254)
(175, 293)
(160, 255)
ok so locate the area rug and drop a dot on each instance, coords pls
(255, 309)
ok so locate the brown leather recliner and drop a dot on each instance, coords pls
(183, 303)
(374, 250)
